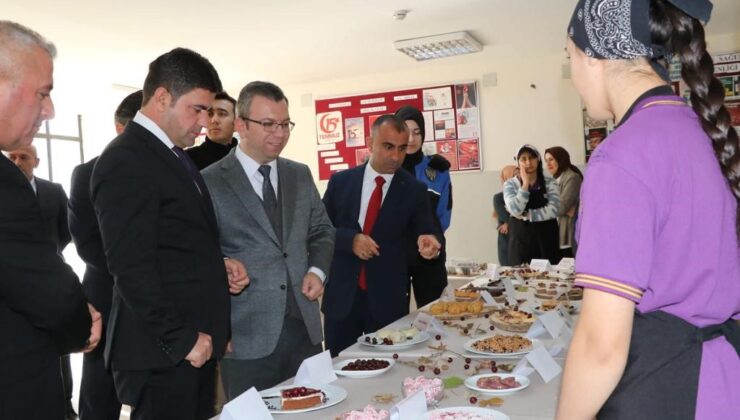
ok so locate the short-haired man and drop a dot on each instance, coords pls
(169, 316)
(98, 399)
(43, 312)
(271, 218)
(220, 139)
(376, 209)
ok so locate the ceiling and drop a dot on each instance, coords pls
(295, 41)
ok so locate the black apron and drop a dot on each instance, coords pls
(661, 378)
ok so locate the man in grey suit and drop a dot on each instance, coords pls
(271, 218)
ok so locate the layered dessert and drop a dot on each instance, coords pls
(433, 388)
(368, 413)
(300, 397)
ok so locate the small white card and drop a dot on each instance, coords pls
(566, 316)
(488, 299)
(249, 402)
(510, 292)
(552, 322)
(522, 368)
(411, 407)
(544, 364)
(492, 271)
(539, 265)
(566, 264)
(316, 370)
(430, 324)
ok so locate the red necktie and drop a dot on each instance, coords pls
(373, 208)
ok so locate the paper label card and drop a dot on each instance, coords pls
(492, 271)
(410, 408)
(566, 264)
(566, 316)
(553, 323)
(510, 292)
(539, 265)
(429, 323)
(249, 402)
(522, 368)
(544, 364)
(316, 370)
(489, 300)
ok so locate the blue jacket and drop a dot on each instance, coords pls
(439, 184)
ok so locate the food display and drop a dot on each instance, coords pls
(551, 305)
(497, 382)
(389, 336)
(366, 364)
(502, 344)
(575, 293)
(468, 294)
(453, 310)
(513, 320)
(465, 413)
(549, 289)
(433, 388)
(300, 397)
(523, 271)
(368, 413)
(465, 269)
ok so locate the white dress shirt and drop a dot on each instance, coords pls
(33, 185)
(150, 125)
(368, 186)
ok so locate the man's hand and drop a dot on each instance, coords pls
(237, 275)
(201, 351)
(503, 229)
(96, 330)
(429, 246)
(364, 247)
(313, 287)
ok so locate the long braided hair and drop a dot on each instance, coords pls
(683, 36)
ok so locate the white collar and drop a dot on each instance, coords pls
(150, 125)
(251, 166)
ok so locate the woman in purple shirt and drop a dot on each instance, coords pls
(658, 227)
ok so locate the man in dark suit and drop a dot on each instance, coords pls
(98, 399)
(220, 139)
(43, 312)
(271, 217)
(169, 316)
(375, 209)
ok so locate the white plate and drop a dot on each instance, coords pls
(486, 412)
(472, 381)
(420, 338)
(469, 347)
(362, 373)
(334, 395)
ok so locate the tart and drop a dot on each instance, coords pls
(299, 398)
(513, 320)
(503, 344)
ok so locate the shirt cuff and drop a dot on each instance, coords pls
(610, 286)
(318, 272)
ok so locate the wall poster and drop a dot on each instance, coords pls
(451, 115)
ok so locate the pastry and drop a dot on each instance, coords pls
(300, 397)
(368, 413)
(433, 388)
(513, 320)
(503, 344)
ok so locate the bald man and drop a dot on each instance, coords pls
(502, 216)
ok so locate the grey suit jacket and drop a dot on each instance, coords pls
(246, 234)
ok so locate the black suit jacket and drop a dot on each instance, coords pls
(404, 214)
(43, 312)
(83, 226)
(53, 202)
(161, 243)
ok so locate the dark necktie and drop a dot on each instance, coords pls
(269, 201)
(373, 208)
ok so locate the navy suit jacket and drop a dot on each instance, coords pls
(404, 214)
(53, 202)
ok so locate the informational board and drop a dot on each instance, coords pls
(451, 117)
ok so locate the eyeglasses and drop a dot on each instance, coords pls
(272, 126)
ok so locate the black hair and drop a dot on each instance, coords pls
(223, 96)
(408, 112)
(395, 122)
(682, 35)
(540, 171)
(562, 157)
(180, 71)
(128, 107)
(265, 89)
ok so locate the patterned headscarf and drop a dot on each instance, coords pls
(620, 29)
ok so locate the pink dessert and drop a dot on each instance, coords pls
(433, 389)
(368, 413)
(458, 415)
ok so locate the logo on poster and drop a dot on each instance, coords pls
(329, 127)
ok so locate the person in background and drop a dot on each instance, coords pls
(658, 335)
(569, 179)
(533, 202)
(220, 139)
(428, 277)
(501, 215)
(595, 137)
(98, 399)
(43, 312)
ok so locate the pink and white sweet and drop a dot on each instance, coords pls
(458, 415)
(433, 389)
(368, 413)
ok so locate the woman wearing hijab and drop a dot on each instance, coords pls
(569, 179)
(533, 202)
(658, 229)
(428, 277)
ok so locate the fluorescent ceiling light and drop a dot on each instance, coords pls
(438, 46)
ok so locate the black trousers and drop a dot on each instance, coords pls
(294, 345)
(528, 240)
(67, 382)
(428, 278)
(98, 399)
(342, 333)
(39, 396)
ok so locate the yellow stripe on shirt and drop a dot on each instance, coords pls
(610, 284)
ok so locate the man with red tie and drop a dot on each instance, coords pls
(375, 208)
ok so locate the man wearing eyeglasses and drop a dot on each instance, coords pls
(271, 218)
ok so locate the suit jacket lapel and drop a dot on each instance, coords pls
(233, 174)
(286, 187)
(356, 194)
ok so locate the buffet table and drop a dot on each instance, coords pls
(537, 401)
